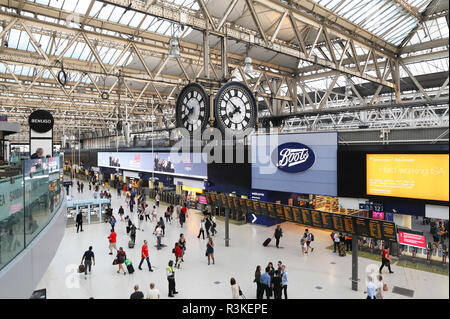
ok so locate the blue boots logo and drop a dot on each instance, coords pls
(293, 157)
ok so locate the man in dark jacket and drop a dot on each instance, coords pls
(278, 234)
(79, 221)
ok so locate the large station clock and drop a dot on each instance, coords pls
(235, 109)
(192, 109)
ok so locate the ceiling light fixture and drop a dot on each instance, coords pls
(248, 67)
(174, 48)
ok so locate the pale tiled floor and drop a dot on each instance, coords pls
(196, 279)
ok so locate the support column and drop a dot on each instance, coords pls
(227, 227)
(206, 51)
(354, 263)
(224, 48)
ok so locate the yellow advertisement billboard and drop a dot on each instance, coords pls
(421, 176)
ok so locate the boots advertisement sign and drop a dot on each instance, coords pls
(41, 121)
(293, 157)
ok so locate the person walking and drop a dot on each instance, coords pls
(133, 233)
(182, 245)
(257, 280)
(170, 273)
(210, 250)
(121, 212)
(153, 293)
(146, 210)
(348, 242)
(157, 200)
(309, 239)
(79, 221)
(137, 294)
(95, 195)
(370, 288)
(120, 259)
(235, 290)
(379, 287)
(154, 214)
(82, 187)
(119, 193)
(132, 202)
(183, 215)
(112, 221)
(140, 219)
(88, 258)
(284, 280)
(158, 233)
(303, 244)
(167, 215)
(265, 283)
(207, 226)
(144, 255)
(213, 225)
(385, 260)
(278, 234)
(112, 241)
(178, 255)
(202, 228)
(163, 226)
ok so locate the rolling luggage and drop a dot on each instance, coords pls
(81, 268)
(128, 229)
(129, 265)
(130, 244)
(267, 242)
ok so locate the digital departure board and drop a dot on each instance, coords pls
(327, 221)
(256, 209)
(362, 226)
(338, 222)
(316, 218)
(306, 216)
(354, 225)
(297, 214)
(288, 213)
(249, 203)
(237, 206)
(348, 224)
(243, 205)
(388, 231)
(280, 211)
(230, 203)
(263, 209)
(224, 200)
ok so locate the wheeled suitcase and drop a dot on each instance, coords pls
(130, 268)
(130, 244)
(81, 268)
(267, 242)
(128, 229)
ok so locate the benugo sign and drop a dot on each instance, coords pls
(294, 157)
(41, 121)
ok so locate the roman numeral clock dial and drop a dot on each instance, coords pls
(235, 108)
(192, 108)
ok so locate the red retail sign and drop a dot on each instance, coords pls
(412, 240)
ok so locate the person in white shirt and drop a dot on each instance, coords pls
(336, 242)
(379, 287)
(154, 214)
(213, 227)
(158, 233)
(202, 228)
(370, 288)
(234, 289)
(153, 293)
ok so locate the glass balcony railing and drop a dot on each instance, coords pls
(27, 204)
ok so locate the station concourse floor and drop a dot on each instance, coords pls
(322, 274)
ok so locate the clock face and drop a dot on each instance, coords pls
(235, 108)
(192, 110)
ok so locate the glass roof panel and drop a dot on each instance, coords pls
(378, 16)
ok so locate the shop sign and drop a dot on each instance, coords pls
(294, 157)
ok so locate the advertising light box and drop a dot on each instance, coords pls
(419, 176)
(412, 240)
(184, 164)
(297, 163)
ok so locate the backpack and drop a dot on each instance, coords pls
(311, 236)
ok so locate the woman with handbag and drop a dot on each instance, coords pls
(235, 290)
(210, 250)
(120, 259)
(259, 290)
(380, 287)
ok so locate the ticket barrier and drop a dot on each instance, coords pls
(92, 210)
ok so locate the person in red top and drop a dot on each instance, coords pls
(386, 260)
(144, 255)
(183, 215)
(178, 254)
(112, 241)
